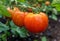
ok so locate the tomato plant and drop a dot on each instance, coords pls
(47, 3)
(22, 22)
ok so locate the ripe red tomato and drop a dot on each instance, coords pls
(36, 23)
(18, 18)
(45, 18)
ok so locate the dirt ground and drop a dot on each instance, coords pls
(54, 29)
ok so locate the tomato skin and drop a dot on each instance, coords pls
(45, 19)
(35, 23)
(18, 18)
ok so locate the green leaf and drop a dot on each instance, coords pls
(0, 16)
(55, 1)
(13, 27)
(21, 0)
(56, 4)
(17, 30)
(3, 11)
(4, 37)
(23, 32)
(54, 11)
(3, 27)
(35, 40)
(53, 16)
(44, 38)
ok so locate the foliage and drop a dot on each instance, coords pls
(3, 27)
(3, 10)
(15, 29)
(56, 4)
(36, 6)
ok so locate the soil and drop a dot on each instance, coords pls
(54, 29)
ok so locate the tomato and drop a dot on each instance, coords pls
(36, 23)
(45, 19)
(47, 3)
(18, 18)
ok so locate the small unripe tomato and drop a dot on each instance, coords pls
(47, 3)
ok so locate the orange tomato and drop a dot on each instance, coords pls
(47, 3)
(36, 23)
(17, 16)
